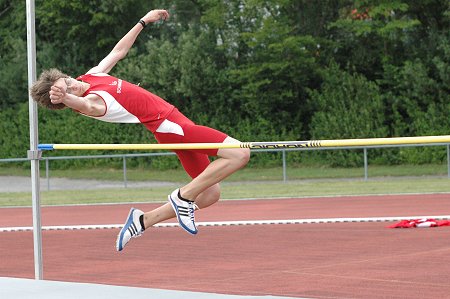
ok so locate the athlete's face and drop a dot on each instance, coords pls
(70, 85)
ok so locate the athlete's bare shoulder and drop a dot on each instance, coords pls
(95, 70)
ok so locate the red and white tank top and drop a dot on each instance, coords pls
(126, 102)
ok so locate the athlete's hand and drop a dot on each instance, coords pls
(57, 94)
(155, 15)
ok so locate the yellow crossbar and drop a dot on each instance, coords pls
(255, 145)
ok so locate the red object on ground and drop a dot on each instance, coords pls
(420, 223)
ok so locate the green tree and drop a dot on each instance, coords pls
(369, 34)
(278, 67)
(76, 35)
(347, 106)
(13, 53)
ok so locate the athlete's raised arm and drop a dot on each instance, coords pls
(123, 46)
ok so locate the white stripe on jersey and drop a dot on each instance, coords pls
(99, 74)
(115, 113)
(168, 126)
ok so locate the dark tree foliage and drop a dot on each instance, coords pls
(257, 69)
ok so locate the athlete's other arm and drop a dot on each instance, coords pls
(123, 46)
(90, 105)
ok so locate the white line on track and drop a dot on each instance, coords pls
(228, 223)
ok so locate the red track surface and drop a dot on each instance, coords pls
(347, 260)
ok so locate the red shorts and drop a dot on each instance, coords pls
(177, 128)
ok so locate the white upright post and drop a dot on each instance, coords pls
(34, 154)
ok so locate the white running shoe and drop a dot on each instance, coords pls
(131, 229)
(185, 212)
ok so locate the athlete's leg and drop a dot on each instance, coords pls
(165, 212)
(230, 160)
(184, 200)
(204, 189)
(194, 163)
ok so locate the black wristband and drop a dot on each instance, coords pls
(142, 23)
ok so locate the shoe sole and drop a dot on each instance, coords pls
(119, 246)
(175, 208)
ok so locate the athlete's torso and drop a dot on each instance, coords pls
(126, 102)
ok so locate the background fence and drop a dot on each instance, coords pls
(284, 152)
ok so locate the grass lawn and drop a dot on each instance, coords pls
(247, 183)
(246, 174)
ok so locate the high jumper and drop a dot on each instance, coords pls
(98, 95)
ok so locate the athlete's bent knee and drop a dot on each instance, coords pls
(214, 192)
(208, 197)
(243, 156)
